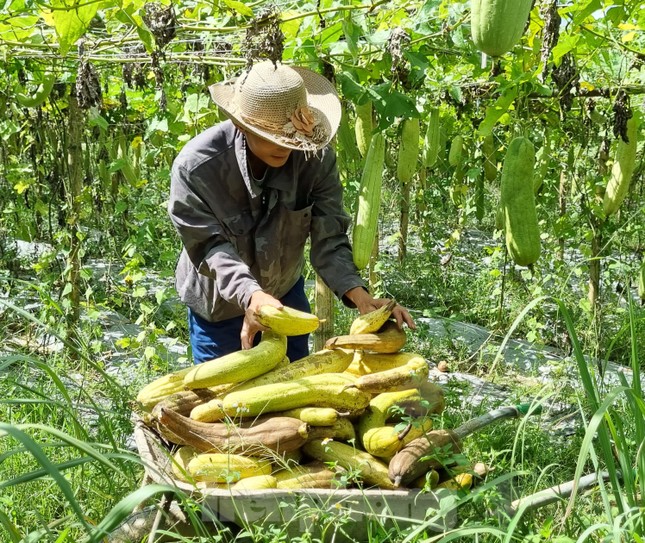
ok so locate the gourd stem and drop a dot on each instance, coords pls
(401, 435)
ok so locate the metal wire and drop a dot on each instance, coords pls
(222, 45)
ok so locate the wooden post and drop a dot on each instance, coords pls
(373, 278)
(324, 309)
(594, 269)
(404, 220)
(562, 209)
(76, 118)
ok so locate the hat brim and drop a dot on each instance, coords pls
(321, 97)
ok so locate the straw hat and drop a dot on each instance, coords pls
(291, 106)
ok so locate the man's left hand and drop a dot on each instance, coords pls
(365, 303)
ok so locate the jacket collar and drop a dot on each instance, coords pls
(276, 179)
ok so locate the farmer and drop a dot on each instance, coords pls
(245, 196)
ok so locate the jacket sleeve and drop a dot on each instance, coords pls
(205, 240)
(331, 251)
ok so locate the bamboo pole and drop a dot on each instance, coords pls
(404, 221)
(76, 121)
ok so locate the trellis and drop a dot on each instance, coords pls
(109, 43)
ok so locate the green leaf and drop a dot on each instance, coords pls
(456, 93)
(239, 7)
(159, 296)
(19, 28)
(139, 292)
(196, 102)
(71, 20)
(96, 119)
(616, 14)
(585, 11)
(160, 125)
(392, 104)
(8, 128)
(352, 36)
(565, 44)
(494, 112)
(129, 17)
(131, 5)
(117, 165)
(417, 59)
(331, 34)
(146, 38)
(350, 87)
(290, 28)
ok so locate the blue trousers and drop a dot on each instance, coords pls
(209, 340)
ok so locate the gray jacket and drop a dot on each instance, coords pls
(239, 237)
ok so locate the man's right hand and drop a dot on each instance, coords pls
(251, 325)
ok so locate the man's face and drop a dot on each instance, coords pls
(268, 152)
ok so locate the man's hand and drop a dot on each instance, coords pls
(251, 325)
(365, 303)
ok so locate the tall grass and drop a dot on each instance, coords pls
(614, 441)
(611, 449)
(66, 476)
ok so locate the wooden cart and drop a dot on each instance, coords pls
(330, 514)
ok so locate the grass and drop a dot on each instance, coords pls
(58, 435)
(67, 473)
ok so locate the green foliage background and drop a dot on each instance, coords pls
(148, 77)
(141, 74)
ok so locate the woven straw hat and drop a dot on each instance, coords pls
(291, 106)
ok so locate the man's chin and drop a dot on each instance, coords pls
(277, 162)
